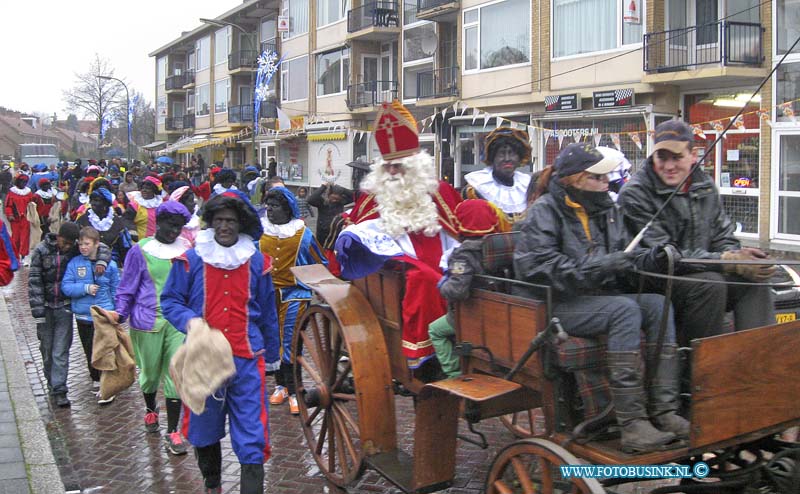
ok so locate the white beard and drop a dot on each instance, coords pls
(404, 201)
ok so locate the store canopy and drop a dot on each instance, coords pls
(154, 146)
(327, 136)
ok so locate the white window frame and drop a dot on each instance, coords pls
(191, 60)
(285, 12)
(478, 25)
(227, 32)
(199, 52)
(285, 72)
(620, 46)
(775, 194)
(343, 53)
(161, 70)
(198, 104)
(422, 61)
(227, 80)
(342, 8)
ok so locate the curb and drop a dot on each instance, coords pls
(43, 475)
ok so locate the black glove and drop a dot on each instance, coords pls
(656, 259)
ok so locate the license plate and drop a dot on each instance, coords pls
(785, 317)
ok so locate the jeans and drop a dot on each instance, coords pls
(700, 307)
(86, 333)
(55, 340)
(622, 318)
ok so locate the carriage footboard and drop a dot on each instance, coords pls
(745, 384)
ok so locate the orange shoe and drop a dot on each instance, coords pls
(294, 409)
(278, 396)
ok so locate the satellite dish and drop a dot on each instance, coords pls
(425, 45)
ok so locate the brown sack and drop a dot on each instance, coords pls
(112, 354)
(36, 226)
(201, 365)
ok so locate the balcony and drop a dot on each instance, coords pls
(269, 45)
(188, 121)
(242, 60)
(370, 94)
(175, 83)
(240, 114)
(174, 124)
(714, 50)
(374, 21)
(188, 79)
(438, 84)
(438, 10)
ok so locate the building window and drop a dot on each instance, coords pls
(294, 79)
(329, 11)
(189, 101)
(410, 79)
(419, 42)
(297, 10)
(203, 100)
(161, 70)
(788, 24)
(203, 50)
(268, 29)
(191, 60)
(787, 87)
(222, 45)
(788, 186)
(333, 72)
(595, 25)
(497, 35)
(293, 161)
(222, 93)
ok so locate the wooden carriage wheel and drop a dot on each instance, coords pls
(530, 466)
(528, 423)
(326, 395)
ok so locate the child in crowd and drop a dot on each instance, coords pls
(476, 218)
(302, 204)
(86, 288)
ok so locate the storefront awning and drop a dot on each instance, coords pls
(154, 146)
(217, 139)
(327, 136)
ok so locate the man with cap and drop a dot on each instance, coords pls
(143, 205)
(103, 218)
(51, 308)
(16, 209)
(501, 183)
(405, 215)
(289, 243)
(154, 339)
(225, 280)
(572, 240)
(695, 221)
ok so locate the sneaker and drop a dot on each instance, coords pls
(151, 422)
(61, 400)
(175, 444)
(101, 401)
(294, 409)
(95, 385)
(278, 396)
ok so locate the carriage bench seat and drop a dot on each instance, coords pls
(585, 358)
(475, 387)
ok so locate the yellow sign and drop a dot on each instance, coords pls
(785, 317)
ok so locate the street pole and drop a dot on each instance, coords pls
(127, 109)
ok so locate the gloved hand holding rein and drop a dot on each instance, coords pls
(759, 273)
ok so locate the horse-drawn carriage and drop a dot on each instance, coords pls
(745, 388)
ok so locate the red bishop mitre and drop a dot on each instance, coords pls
(396, 132)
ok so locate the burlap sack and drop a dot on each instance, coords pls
(201, 365)
(55, 217)
(112, 354)
(36, 226)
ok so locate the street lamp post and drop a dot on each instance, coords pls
(127, 109)
(218, 23)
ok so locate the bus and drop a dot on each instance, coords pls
(33, 154)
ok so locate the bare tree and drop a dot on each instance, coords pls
(93, 97)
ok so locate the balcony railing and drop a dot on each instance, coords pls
(438, 83)
(371, 93)
(383, 13)
(175, 82)
(431, 4)
(174, 123)
(681, 49)
(269, 45)
(188, 121)
(188, 77)
(242, 59)
(240, 113)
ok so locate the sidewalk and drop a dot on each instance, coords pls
(27, 464)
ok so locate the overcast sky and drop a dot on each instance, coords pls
(44, 42)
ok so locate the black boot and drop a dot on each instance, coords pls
(252, 479)
(664, 390)
(638, 434)
(209, 459)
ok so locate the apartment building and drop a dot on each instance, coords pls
(566, 70)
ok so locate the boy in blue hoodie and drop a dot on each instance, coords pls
(85, 288)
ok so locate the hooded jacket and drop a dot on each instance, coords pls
(48, 266)
(693, 220)
(79, 275)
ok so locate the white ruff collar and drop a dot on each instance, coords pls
(194, 222)
(228, 258)
(282, 231)
(45, 194)
(83, 198)
(104, 224)
(219, 189)
(145, 203)
(509, 199)
(166, 251)
(21, 192)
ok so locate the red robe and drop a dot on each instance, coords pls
(422, 303)
(16, 211)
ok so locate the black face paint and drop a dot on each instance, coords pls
(278, 211)
(168, 228)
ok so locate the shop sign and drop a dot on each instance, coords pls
(742, 182)
(283, 23)
(562, 102)
(614, 98)
(298, 123)
(588, 131)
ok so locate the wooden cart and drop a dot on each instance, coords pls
(745, 388)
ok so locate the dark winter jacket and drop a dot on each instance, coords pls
(693, 220)
(48, 265)
(118, 238)
(327, 211)
(462, 265)
(554, 249)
